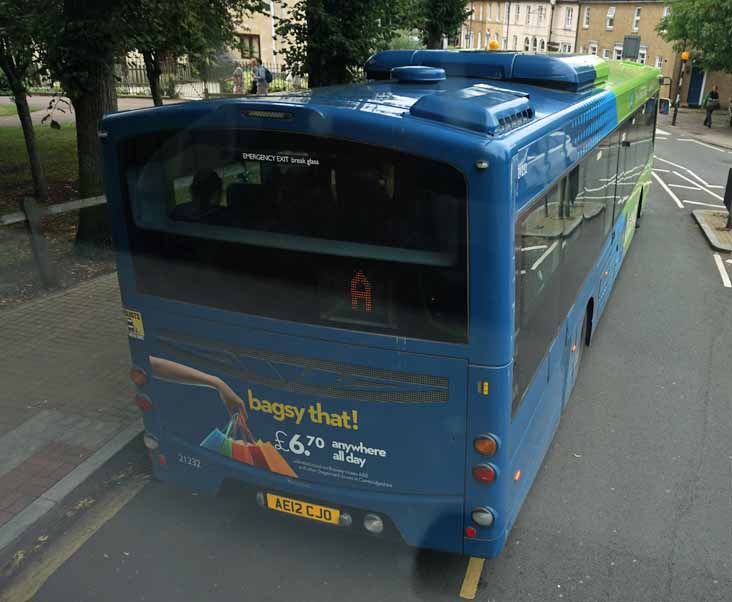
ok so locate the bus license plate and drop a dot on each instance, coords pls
(303, 509)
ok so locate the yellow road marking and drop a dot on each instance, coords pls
(471, 579)
(37, 572)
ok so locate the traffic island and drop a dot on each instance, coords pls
(713, 224)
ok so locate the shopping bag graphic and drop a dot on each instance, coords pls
(275, 462)
(214, 440)
(236, 440)
(241, 452)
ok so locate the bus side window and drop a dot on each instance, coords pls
(538, 251)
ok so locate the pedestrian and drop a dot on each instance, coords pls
(260, 76)
(238, 78)
(711, 104)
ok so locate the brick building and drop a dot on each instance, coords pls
(603, 25)
(256, 35)
(527, 26)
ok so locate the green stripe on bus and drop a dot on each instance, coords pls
(631, 83)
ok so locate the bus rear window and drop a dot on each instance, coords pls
(300, 228)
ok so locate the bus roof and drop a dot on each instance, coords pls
(492, 94)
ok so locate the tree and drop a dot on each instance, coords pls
(82, 40)
(438, 18)
(168, 29)
(701, 25)
(18, 43)
(330, 40)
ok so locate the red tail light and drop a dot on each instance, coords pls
(485, 473)
(470, 532)
(143, 402)
(138, 377)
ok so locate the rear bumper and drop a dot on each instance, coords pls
(423, 521)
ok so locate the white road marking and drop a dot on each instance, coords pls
(662, 132)
(534, 248)
(714, 194)
(659, 170)
(544, 255)
(716, 148)
(702, 180)
(684, 186)
(667, 189)
(669, 162)
(722, 271)
(704, 204)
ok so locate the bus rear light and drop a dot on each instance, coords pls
(345, 520)
(150, 441)
(470, 532)
(162, 460)
(373, 523)
(485, 473)
(482, 516)
(143, 402)
(138, 377)
(485, 445)
(260, 499)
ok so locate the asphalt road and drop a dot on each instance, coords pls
(633, 503)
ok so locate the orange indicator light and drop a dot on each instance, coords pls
(517, 476)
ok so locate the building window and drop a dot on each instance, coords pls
(504, 44)
(618, 53)
(666, 11)
(480, 35)
(515, 42)
(508, 9)
(636, 18)
(606, 53)
(568, 17)
(527, 44)
(593, 48)
(528, 15)
(542, 45)
(540, 15)
(610, 21)
(642, 55)
(586, 18)
(533, 44)
(659, 62)
(517, 14)
(249, 46)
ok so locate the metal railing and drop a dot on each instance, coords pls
(32, 215)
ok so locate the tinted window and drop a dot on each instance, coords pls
(300, 228)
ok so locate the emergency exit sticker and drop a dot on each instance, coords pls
(135, 329)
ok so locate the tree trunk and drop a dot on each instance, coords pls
(152, 68)
(99, 98)
(434, 40)
(40, 186)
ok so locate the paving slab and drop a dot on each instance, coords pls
(65, 389)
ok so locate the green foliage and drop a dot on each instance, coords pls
(406, 40)
(200, 29)
(702, 25)
(19, 42)
(438, 18)
(330, 40)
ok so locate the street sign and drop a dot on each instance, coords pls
(631, 47)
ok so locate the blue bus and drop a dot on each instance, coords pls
(368, 303)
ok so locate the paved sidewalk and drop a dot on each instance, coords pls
(65, 388)
(689, 122)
